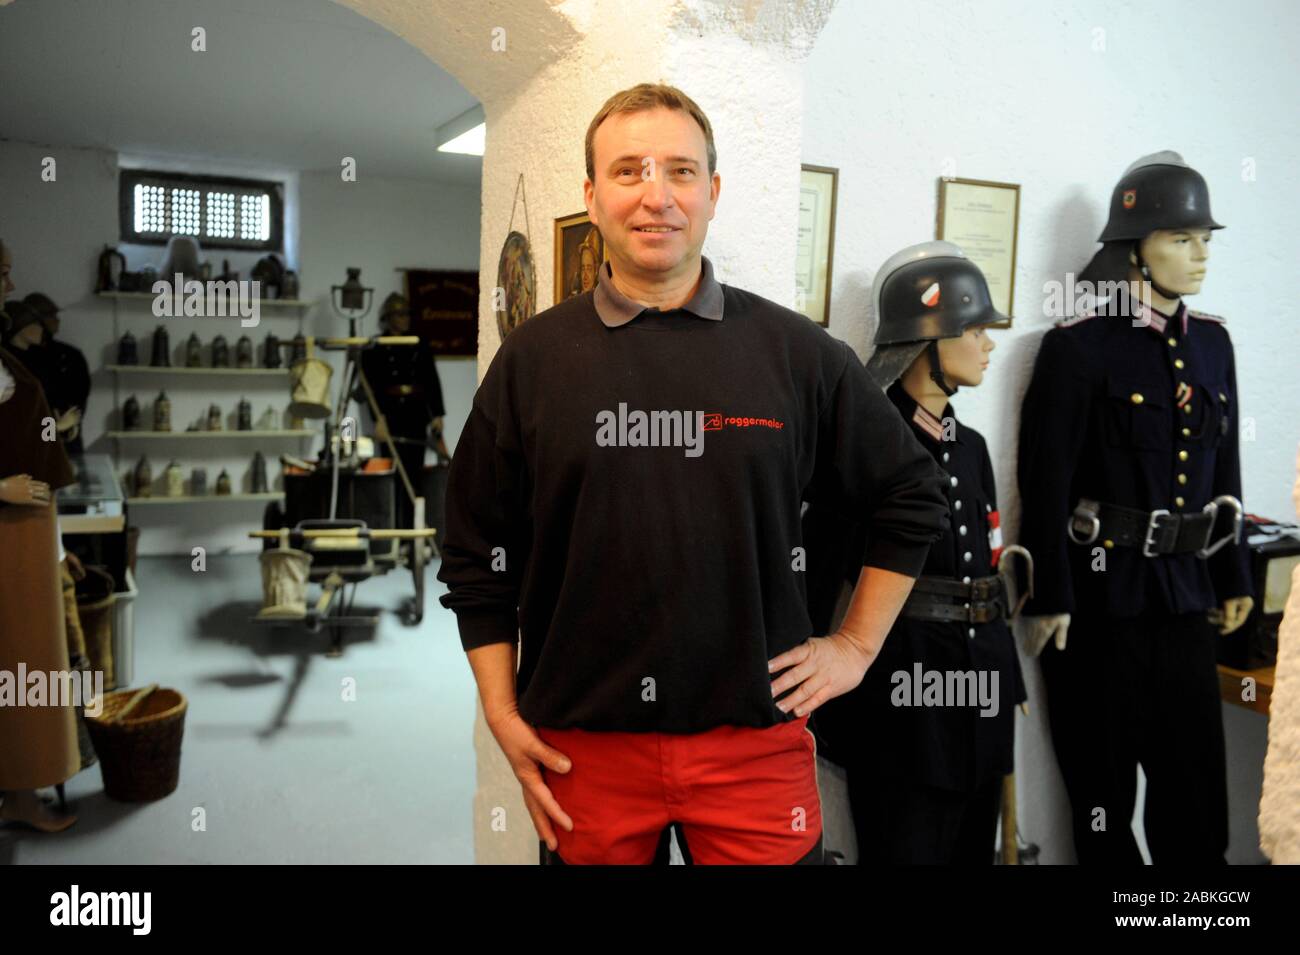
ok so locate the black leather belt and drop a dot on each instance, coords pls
(944, 598)
(1156, 532)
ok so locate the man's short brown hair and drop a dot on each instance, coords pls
(645, 96)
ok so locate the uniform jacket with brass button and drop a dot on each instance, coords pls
(948, 747)
(1141, 413)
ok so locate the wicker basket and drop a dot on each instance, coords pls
(140, 756)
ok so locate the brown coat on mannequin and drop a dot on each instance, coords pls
(38, 744)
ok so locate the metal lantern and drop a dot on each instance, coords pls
(220, 352)
(193, 352)
(352, 300)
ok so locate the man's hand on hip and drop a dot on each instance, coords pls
(820, 669)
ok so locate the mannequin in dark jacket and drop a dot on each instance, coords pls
(67, 376)
(1130, 486)
(927, 737)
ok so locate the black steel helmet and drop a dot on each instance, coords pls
(395, 304)
(1159, 191)
(922, 294)
(43, 304)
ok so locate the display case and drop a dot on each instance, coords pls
(94, 503)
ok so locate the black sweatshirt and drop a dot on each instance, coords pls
(626, 501)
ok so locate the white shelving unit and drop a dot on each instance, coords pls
(274, 309)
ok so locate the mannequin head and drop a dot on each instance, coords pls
(1174, 259)
(6, 284)
(395, 315)
(24, 325)
(964, 360)
(651, 165)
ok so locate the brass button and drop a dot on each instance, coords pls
(1182, 455)
(1178, 363)
(1173, 343)
(1136, 398)
(1178, 501)
(1187, 432)
(1109, 544)
(1187, 409)
(1222, 396)
(1182, 479)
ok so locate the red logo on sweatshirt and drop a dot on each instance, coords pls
(716, 421)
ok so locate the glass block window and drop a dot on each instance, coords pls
(218, 212)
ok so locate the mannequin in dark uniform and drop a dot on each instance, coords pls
(1130, 483)
(925, 781)
(66, 377)
(406, 386)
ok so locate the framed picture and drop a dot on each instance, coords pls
(816, 246)
(444, 309)
(579, 252)
(984, 219)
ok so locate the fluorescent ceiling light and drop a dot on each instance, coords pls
(464, 134)
(469, 142)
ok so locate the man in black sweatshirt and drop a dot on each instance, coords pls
(623, 512)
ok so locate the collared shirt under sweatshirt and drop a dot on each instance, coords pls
(625, 501)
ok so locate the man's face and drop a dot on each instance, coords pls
(51, 323)
(652, 197)
(398, 323)
(1177, 258)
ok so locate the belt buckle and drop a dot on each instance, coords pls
(1213, 510)
(1081, 512)
(1152, 527)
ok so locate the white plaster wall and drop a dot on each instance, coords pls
(1060, 98)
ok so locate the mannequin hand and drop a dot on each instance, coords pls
(1234, 613)
(69, 419)
(822, 668)
(1040, 629)
(75, 567)
(22, 489)
(527, 752)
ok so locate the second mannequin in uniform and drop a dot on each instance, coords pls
(926, 763)
(409, 395)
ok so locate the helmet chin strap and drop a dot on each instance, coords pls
(936, 369)
(1146, 274)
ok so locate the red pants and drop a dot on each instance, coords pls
(742, 796)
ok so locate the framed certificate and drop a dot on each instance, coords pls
(984, 219)
(816, 246)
